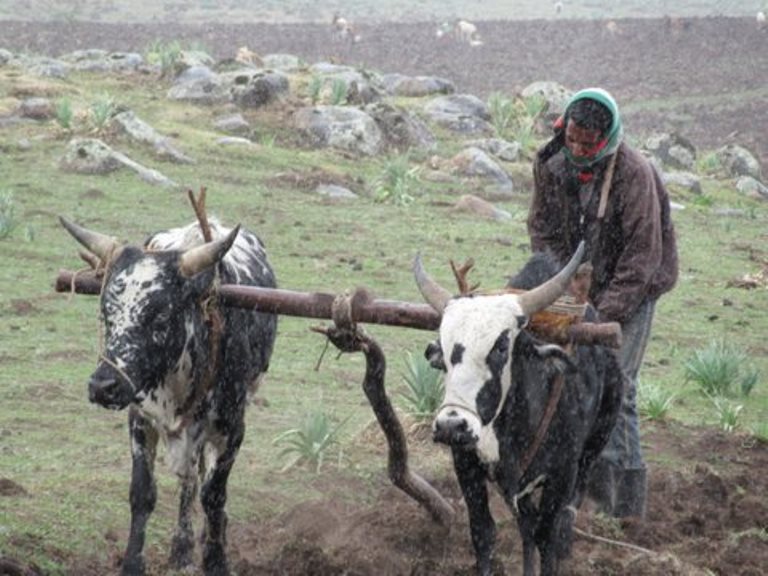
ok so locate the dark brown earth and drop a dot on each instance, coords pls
(712, 72)
(708, 510)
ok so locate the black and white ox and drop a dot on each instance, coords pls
(185, 368)
(498, 380)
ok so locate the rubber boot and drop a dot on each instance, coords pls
(601, 488)
(631, 490)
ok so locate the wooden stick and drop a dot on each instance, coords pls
(553, 326)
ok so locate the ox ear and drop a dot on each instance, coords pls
(200, 258)
(101, 245)
(556, 357)
(545, 294)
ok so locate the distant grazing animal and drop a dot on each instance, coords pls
(344, 31)
(760, 20)
(612, 28)
(498, 383)
(184, 367)
(246, 56)
(558, 7)
(465, 31)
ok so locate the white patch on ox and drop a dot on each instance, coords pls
(127, 294)
(238, 258)
(475, 324)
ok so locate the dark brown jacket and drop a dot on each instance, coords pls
(633, 251)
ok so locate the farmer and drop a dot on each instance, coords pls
(591, 185)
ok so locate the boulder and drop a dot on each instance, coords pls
(464, 113)
(259, 88)
(88, 156)
(738, 161)
(37, 109)
(135, 128)
(340, 127)
(499, 148)
(752, 188)
(672, 150)
(472, 204)
(284, 62)
(554, 94)
(474, 163)
(401, 129)
(416, 86)
(681, 179)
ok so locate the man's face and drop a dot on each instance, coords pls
(582, 142)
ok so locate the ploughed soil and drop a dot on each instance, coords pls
(705, 77)
(708, 503)
(707, 514)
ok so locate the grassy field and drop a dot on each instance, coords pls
(67, 454)
(201, 11)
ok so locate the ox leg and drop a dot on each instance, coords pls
(554, 525)
(472, 479)
(183, 543)
(526, 523)
(213, 496)
(143, 491)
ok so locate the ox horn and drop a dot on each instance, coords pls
(435, 295)
(545, 294)
(100, 244)
(199, 258)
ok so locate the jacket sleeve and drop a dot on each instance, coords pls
(546, 225)
(641, 253)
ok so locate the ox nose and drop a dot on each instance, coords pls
(453, 431)
(108, 391)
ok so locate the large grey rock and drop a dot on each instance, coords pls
(42, 66)
(5, 56)
(340, 127)
(462, 113)
(259, 88)
(37, 109)
(751, 187)
(738, 161)
(92, 156)
(474, 163)
(233, 124)
(672, 150)
(554, 94)
(96, 60)
(206, 91)
(416, 86)
(401, 129)
(681, 179)
(135, 128)
(471, 204)
(498, 148)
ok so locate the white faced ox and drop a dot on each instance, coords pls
(498, 381)
(184, 367)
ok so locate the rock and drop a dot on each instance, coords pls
(235, 140)
(416, 86)
(498, 147)
(335, 192)
(5, 56)
(672, 150)
(88, 156)
(37, 109)
(474, 205)
(128, 123)
(205, 91)
(554, 94)
(463, 113)
(401, 129)
(260, 89)
(474, 163)
(685, 180)
(738, 161)
(233, 124)
(752, 188)
(95, 60)
(340, 127)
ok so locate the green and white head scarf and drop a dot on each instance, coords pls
(615, 134)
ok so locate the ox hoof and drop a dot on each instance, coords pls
(181, 553)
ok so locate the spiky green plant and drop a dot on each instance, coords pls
(314, 86)
(64, 112)
(718, 368)
(425, 388)
(339, 92)
(8, 221)
(727, 412)
(503, 113)
(397, 181)
(101, 111)
(309, 443)
(165, 55)
(654, 402)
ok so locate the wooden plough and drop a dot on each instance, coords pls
(561, 323)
